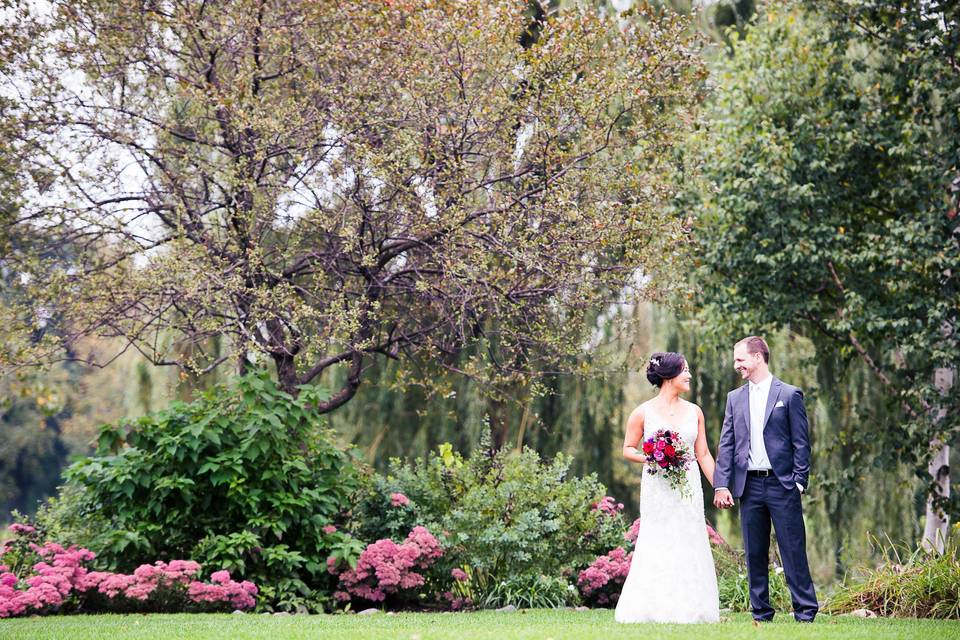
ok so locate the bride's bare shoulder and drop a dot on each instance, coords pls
(639, 410)
(695, 406)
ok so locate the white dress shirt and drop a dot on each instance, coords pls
(759, 392)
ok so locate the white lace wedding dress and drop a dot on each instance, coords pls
(672, 577)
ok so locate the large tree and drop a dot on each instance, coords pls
(829, 154)
(323, 182)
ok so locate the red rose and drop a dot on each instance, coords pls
(669, 451)
(663, 463)
(648, 448)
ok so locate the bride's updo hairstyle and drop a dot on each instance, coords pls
(664, 366)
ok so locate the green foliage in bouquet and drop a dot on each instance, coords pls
(244, 478)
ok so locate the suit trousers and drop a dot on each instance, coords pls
(765, 500)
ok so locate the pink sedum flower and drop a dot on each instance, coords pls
(329, 529)
(399, 500)
(18, 529)
(607, 506)
(220, 577)
(715, 537)
(632, 533)
(61, 576)
(387, 567)
(603, 580)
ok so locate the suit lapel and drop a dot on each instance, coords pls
(745, 404)
(772, 397)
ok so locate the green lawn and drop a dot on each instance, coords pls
(536, 624)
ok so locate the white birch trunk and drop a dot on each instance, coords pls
(937, 522)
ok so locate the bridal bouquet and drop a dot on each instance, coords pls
(670, 459)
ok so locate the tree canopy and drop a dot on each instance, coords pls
(829, 154)
(326, 182)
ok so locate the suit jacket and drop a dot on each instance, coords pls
(785, 435)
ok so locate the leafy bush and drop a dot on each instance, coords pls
(925, 585)
(244, 478)
(502, 515)
(732, 582)
(37, 579)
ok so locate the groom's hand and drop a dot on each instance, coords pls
(722, 499)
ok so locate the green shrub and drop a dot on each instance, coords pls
(503, 515)
(244, 478)
(734, 587)
(925, 585)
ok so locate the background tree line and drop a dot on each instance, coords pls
(815, 200)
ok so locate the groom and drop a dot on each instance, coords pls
(764, 460)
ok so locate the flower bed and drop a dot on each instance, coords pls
(39, 579)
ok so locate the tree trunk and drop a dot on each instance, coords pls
(286, 373)
(937, 522)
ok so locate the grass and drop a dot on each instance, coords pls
(921, 585)
(540, 624)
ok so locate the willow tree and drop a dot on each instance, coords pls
(325, 183)
(830, 152)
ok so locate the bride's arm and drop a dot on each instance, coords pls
(702, 451)
(633, 437)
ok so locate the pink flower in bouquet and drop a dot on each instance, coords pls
(671, 459)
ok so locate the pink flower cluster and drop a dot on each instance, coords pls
(60, 576)
(607, 506)
(385, 567)
(460, 575)
(223, 589)
(399, 500)
(715, 538)
(146, 579)
(456, 603)
(632, 533)
(55, 578)
(18, 529)
(602, 581)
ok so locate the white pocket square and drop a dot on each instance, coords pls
(779, 404)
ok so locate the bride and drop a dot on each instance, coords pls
(672, 577)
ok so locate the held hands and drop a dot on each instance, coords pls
(722, 499)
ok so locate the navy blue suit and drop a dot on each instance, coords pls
(773, 499)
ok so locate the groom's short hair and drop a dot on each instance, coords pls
(756, 344)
